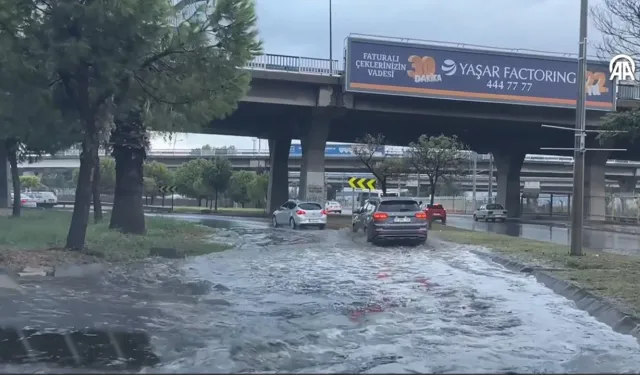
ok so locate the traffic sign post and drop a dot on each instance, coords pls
(164, 189)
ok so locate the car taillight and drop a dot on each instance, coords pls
(23, 201)
(324, 212)
(300, 212)
(421, 215)
(380, 216)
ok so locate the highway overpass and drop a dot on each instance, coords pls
(535, 166)
(556, 185)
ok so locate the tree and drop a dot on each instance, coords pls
(30, 182)
(258, 189)
(619, 24)
(107, 181)
(150, 187)
(30, 123)
(159, 173)
(216, 176)
(202, 150)
(186, 175)
(190, 77)
(438, 157)
(370, 151)
(239, 186)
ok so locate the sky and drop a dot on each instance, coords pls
(301, 28)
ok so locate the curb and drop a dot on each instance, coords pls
(600, 309)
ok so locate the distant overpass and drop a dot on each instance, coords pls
(538, 166)
(555, 185)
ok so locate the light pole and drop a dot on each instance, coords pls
(577, 217)
(330, 38)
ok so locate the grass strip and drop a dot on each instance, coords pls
(614, 277)
(41, 235)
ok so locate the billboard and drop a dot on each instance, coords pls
(381, 67)
(331, 150)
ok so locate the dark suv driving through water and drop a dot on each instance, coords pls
(389, 219)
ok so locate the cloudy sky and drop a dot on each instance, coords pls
(301, 28)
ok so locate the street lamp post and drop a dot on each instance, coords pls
(577, 217)
(330, 38)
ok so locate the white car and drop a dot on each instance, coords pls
(333, 206)
(299, 214)
(44, 198)
(26, 201)
(490, 212)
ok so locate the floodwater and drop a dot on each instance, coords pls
(324, 301)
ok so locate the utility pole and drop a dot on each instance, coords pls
(577, 219)
(580, 134)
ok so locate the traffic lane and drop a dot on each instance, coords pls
(322, 301)
(593, 239)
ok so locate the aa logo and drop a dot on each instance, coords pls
(424, 69)
(596, 83)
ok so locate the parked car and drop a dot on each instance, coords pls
(26, 201)
(436, 212)
(299, 214)
(333, 207)
(490, 212)
(44, 198)
(389, 219)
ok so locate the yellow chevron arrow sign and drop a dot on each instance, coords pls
(362, 183)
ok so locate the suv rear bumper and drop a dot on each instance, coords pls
(417, 234)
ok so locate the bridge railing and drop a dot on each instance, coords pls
(295, 64)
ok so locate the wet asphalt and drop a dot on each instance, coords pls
(326, 301)
(599, 240)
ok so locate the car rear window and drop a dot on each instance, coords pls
(398, 206)
(495, 206)
(310, 206)
(436, 207)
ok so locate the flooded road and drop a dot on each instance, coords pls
(324, 301)
(593, 239)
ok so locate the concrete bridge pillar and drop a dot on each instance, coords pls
(627, 184)
(278, 191)
(594, 185)
(314, 143)
(509, 163)
(5, 195)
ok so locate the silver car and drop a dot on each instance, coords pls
(391, 219)
(490, 212)
(298, 214)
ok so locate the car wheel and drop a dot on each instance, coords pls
(503, 220)
(339, 212)
(292, 224)
(444, 221)
(274, 221)
(475, 218)
(366, 234)
(322, 226)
